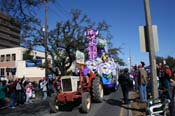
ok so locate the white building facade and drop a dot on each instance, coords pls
(13, 65)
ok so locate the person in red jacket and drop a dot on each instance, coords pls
(167, 77)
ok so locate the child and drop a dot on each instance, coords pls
(28, 93)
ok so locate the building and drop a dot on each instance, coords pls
(9, 32)
(13, 65)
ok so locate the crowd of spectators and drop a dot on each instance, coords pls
(141, 76)
(24, 91)
(165, 79)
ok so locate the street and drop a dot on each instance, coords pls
(111, 106)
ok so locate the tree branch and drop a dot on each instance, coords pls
(21, 9)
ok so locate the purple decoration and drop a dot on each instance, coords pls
(92, 43)
(92, 55)
(92, 48)
(85, 71)
(91, 34)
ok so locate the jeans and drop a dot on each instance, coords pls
(44, 95)
(143, 93)
(12, 99)
(28, 99)
(166, 84)
(168, 87)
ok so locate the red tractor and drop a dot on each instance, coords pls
(75, 88)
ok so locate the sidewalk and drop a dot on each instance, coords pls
(139, 109)
(135, 108)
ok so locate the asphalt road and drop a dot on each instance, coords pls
(111, 106)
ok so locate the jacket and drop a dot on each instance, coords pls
(2, 92)
(125, 80)
(142, 78)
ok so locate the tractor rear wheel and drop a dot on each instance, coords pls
(97, 90)
(86, 102)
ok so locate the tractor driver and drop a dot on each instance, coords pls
(85, 73)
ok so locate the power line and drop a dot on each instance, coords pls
(55, 13)
(61, 9)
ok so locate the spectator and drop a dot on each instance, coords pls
(160, 73)
(28, 93)
(43, 87)
(2, 94)
(125, 83)
(173, 76)
(142, 82)
(166, 82)
(135, 75)
(172, 103)
(19, 92)
(12, 92)
(50, 87)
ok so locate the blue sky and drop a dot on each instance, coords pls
(124, 16)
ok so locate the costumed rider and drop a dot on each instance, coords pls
(85, 72)
(104, 57)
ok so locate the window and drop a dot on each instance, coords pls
(2, 72)
(2, 58)
(8, 57)
(13, 57)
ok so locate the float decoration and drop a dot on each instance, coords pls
(99, 61)
(92, 43)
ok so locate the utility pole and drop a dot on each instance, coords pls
(149, 37)
(45, 38)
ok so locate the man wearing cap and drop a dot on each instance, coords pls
(142, 82)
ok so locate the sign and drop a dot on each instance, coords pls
(144, 45)
(35, 63)
(80, 57)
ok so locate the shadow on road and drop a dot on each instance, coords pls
(120, 104)
(25, 109)
(68, 107)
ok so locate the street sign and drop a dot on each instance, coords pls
(144, 46)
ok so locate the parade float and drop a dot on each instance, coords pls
(100, 62)
(75, 89)
(101, 74)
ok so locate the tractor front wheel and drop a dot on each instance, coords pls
(97, 90)
(86, 102)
